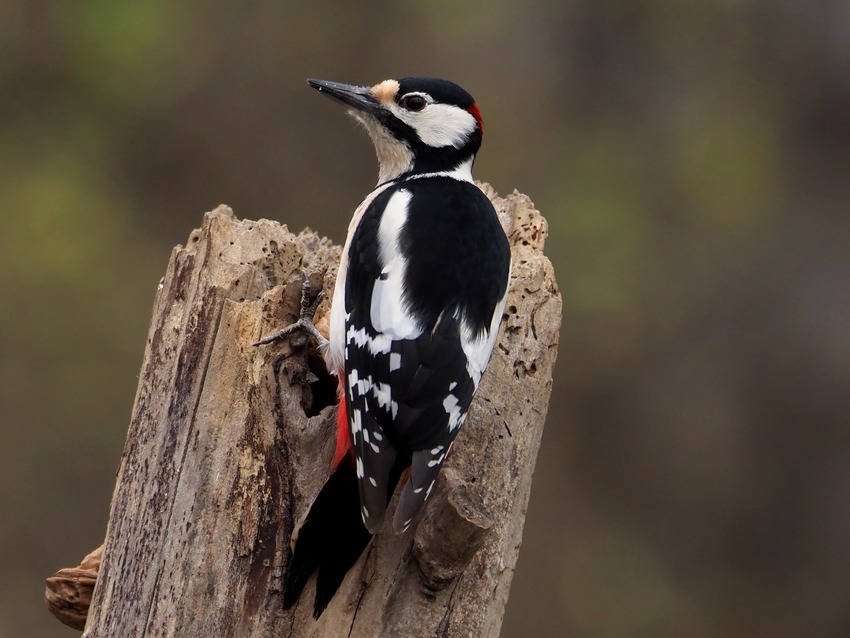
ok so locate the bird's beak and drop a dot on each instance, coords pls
(360, 98)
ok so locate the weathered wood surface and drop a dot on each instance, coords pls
(229, 443)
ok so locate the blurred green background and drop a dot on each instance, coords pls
(693, 160)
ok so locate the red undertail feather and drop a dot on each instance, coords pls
(343, 439)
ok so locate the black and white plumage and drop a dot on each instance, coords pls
(416, 309)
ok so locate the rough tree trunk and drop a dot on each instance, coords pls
(229, 443)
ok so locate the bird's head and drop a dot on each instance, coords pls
(418, 125)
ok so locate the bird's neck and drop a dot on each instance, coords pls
(461, 171)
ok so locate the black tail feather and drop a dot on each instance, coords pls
(333, 535)
(331, 540)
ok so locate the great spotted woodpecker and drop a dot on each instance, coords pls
(415, 314)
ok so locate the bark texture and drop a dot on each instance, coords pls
(229, 443)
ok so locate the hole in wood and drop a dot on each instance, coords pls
(321, 391)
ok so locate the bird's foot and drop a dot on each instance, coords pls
(304, 324)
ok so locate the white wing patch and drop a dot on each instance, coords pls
(339, 318)
(383, 394)
(452, 408)
(379, 344)
(356, 423)
(392, 221)
(360, 387)
(479, 348)
(387, 312)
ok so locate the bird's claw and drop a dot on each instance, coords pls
(304, 324)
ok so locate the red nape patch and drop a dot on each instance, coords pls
(343, 440)
(477, 115)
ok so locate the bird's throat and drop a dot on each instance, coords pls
(394, 156)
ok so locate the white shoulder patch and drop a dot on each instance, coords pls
(479, 349)
(387, 312)
(335, 354)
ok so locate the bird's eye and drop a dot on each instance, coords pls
(413, 102)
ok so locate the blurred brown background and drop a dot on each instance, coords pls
(693, 160)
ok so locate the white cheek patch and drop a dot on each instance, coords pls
(439, 125)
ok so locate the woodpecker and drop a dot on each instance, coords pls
(414, 317)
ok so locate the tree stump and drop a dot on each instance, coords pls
(229, 443)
